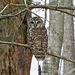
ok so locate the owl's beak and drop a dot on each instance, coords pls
(35, 25)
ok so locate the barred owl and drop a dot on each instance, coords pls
(37, 37)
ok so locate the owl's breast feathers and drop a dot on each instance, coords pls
(37, 39)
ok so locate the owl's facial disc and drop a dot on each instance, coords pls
(35, 22)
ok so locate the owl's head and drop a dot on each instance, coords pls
(35, 22)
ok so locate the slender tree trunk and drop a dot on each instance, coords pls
(55, 38)
(68, 44)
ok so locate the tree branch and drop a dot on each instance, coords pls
(43, 6)
(25, 3)
(4, 9)
(13, 43)
(25, 45)
(56, 8)
(12, 15)
(61, 57)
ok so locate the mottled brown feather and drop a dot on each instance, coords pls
(37, 39)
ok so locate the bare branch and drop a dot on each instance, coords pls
(25, 45)
(17, 5)
(25, 3)
(4, 9)
(60, 57)
(53, 8)
(6, 1)
(56, 8)
(37, 15)
(12, 15)
(45, 6)
(13, 43)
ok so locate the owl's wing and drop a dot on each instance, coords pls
(44, 39)
(29, 39)
(41, 43)
(37, 39)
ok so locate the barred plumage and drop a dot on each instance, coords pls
(37, 37)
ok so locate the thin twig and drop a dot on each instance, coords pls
(17, 5)
(60, 57)
(12, 15)
(25, 3)
(37, 15)
(4, 9)
(13, 43)
(6, 1)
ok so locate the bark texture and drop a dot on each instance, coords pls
(68, 44)
(14, 60)
(55, 38)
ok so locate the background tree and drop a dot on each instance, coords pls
(68, 44)
(15, 60)
(55, 38)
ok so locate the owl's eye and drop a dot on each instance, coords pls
(32, 22)
(38, 22)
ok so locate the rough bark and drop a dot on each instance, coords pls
(15, 60)
(68, 44)
(55, 38)
(4, 52)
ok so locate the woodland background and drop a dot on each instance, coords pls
(15, 54)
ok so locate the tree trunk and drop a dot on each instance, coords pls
(55, 38)
(68, 44)
(16, 60)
